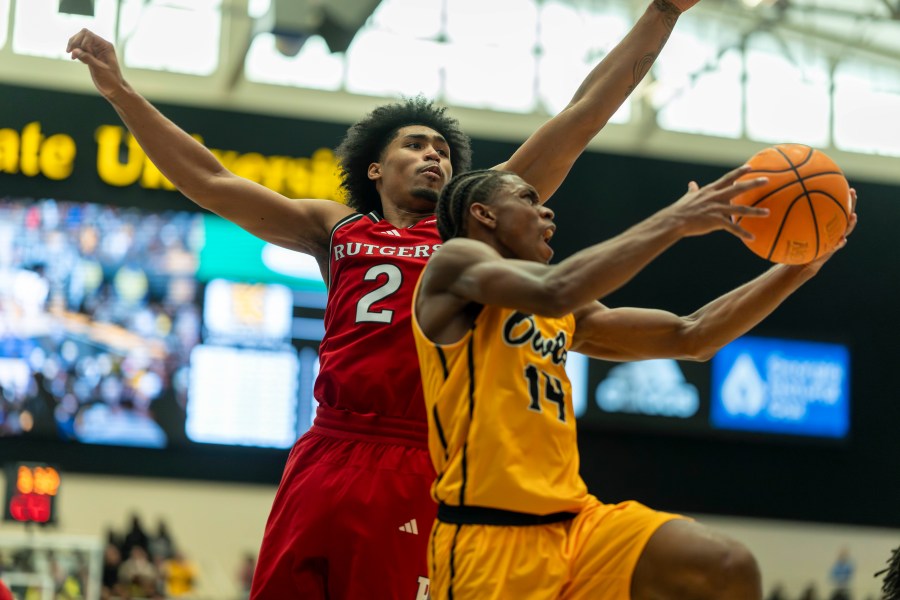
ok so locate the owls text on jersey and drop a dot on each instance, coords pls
(500, 396)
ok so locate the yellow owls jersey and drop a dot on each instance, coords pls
(501, 428)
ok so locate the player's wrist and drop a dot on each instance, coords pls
(120, 94)
(673, 7)
(671, 223)
(803, 272)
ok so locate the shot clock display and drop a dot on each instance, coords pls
(31, 490)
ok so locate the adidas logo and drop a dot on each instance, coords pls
(410, 527)
(393, 232)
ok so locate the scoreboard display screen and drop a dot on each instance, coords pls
(166, 329)
(31, 490)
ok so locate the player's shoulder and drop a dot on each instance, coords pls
(327, 210)
(465, 249)
(354, 223)
(317, 219)
(456, 255)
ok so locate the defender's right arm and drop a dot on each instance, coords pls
(302, 225)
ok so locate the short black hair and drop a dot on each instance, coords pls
(367, 138)
(459, 193)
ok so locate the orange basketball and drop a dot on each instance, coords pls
(808, 199)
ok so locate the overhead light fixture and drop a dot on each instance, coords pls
(893, 9)
(77, 7)
(292, 22)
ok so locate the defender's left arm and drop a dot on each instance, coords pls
(546, 157)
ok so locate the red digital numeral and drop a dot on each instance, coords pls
(30, 507)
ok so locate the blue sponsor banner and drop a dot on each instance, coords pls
(782, 386)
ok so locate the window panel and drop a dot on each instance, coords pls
(4, 21)
(566, 30)
(488, 77)
(572, 43)
(39, 29)
(708, 104)
(510, 24)
(314, 67)
(866, 105)
(381, 63)
(258, 8)
(787, 97)
(698, 86)
(413, 18)
(181, 36)
(559, 78)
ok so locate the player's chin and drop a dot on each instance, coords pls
(546, 253)
(427, 194)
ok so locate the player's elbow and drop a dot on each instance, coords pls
(703, 354)
(694, 344)
(553, 301)
(589, 113)
(207, 189)
(696, 354)
(561, 293)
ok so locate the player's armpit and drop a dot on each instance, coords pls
(303, 225)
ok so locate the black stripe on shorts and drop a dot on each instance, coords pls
(479, 515)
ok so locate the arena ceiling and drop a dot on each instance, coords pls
(869, 29)
(871, 26)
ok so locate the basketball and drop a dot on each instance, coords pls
(808, 199)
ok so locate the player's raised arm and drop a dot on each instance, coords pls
(638, 334)
(502, 216)
(548, 155)
(302, 225)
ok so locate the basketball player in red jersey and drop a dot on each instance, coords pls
(352, 512)
(5, 594)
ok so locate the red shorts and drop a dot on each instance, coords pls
(352, 514)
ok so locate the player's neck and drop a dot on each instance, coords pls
(404, 217)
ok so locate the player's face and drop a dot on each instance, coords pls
(414, 168)
(524, 225)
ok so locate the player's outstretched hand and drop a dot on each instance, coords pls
(705, 209)
(100, 56)
(851, 225)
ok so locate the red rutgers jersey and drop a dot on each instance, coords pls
(367, 359)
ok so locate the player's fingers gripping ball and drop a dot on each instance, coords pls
(808, 199)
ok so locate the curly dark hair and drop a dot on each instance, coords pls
(367, 138)
(459, 193)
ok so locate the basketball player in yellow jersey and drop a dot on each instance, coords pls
(493, 324)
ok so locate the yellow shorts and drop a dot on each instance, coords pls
(590, 556)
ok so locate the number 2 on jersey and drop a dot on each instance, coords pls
(364, 312)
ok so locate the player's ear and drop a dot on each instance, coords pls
(374, 171)
(484, 214)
